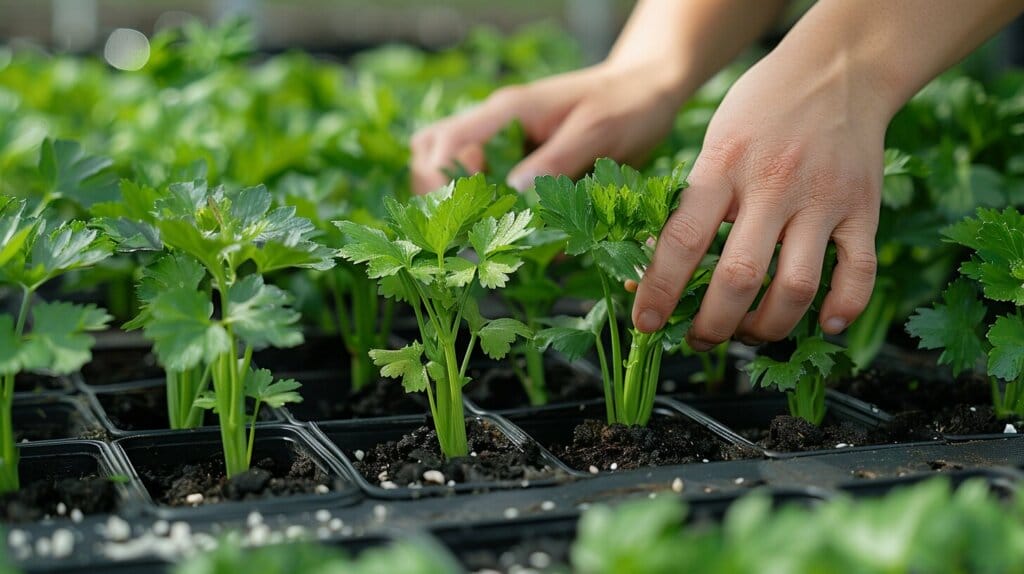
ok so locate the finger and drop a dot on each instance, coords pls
(683, 242)
(737, 278)
(853, 279)
(571, 150)
(436, 148)
(794, 286)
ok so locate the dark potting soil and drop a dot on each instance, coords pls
(929, 408)
(34, 422)
(90, 494)
(493, 457)
(171, 485)
(536, 555)
(146, 409)
(793, 434)
(382, 398)
(33, 383)
(111, 366)
(665, 441)
(499, 388)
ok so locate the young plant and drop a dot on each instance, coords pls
(991, 284)
(813, 364)
(234, 237)
(349, 302)
(419, 258)
(609, 217)
(175, 271)
(804, 377)
(55, 339)
(531, 294)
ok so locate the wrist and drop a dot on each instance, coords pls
(667, 78)
(846, 70)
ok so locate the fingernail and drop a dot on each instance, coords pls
(700, 346)
(751, 342)
(648, 321)
(835, 325)
(521, 181)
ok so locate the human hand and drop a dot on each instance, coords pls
(794, 155)
(609, 110)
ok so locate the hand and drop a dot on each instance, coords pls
(608, 110)
(794, 155)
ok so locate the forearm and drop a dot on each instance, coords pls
(688, 41)
(893, 48)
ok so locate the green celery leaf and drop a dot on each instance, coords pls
(15, 229)
(58, 341)
(260, 315)
(70, 246)
(76, 175)
(766, 372)
(999, 260)
(818, 353)
(497, 336)
(569, 208)
(494, 272)
(182, 330)
(1006, 359)
(249, 205)
(260, 385)
(621, 259)
(405, 363)
(383, 256)
(491, 235)
(170, 271)
(460, 271)
(451, 211)
(292, 252)
(952, 326)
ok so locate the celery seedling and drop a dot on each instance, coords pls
(996, 272)
(175, 271)
(420, 260)
(55, 341)
(813, 364)
(610, 216)
(361, 317)
(803, 377)
(227, 233)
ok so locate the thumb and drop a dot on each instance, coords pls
(571, 151)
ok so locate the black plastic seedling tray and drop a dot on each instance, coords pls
(554, 425)
(322, 391)
(147, 453)
(345, 438)
(149, 395)
(28, 384)
(756, 411)
(59, 459)
(53, 417)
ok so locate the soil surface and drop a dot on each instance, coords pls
(90, 494)
(49, 421)
(172, 485)
(493, 457)
(793, 434)
(538, 555)
(383, 398)
(145, 408)
(665, 441)
(112, 366)
(495, 387)
(930, 408)
(32, 383)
